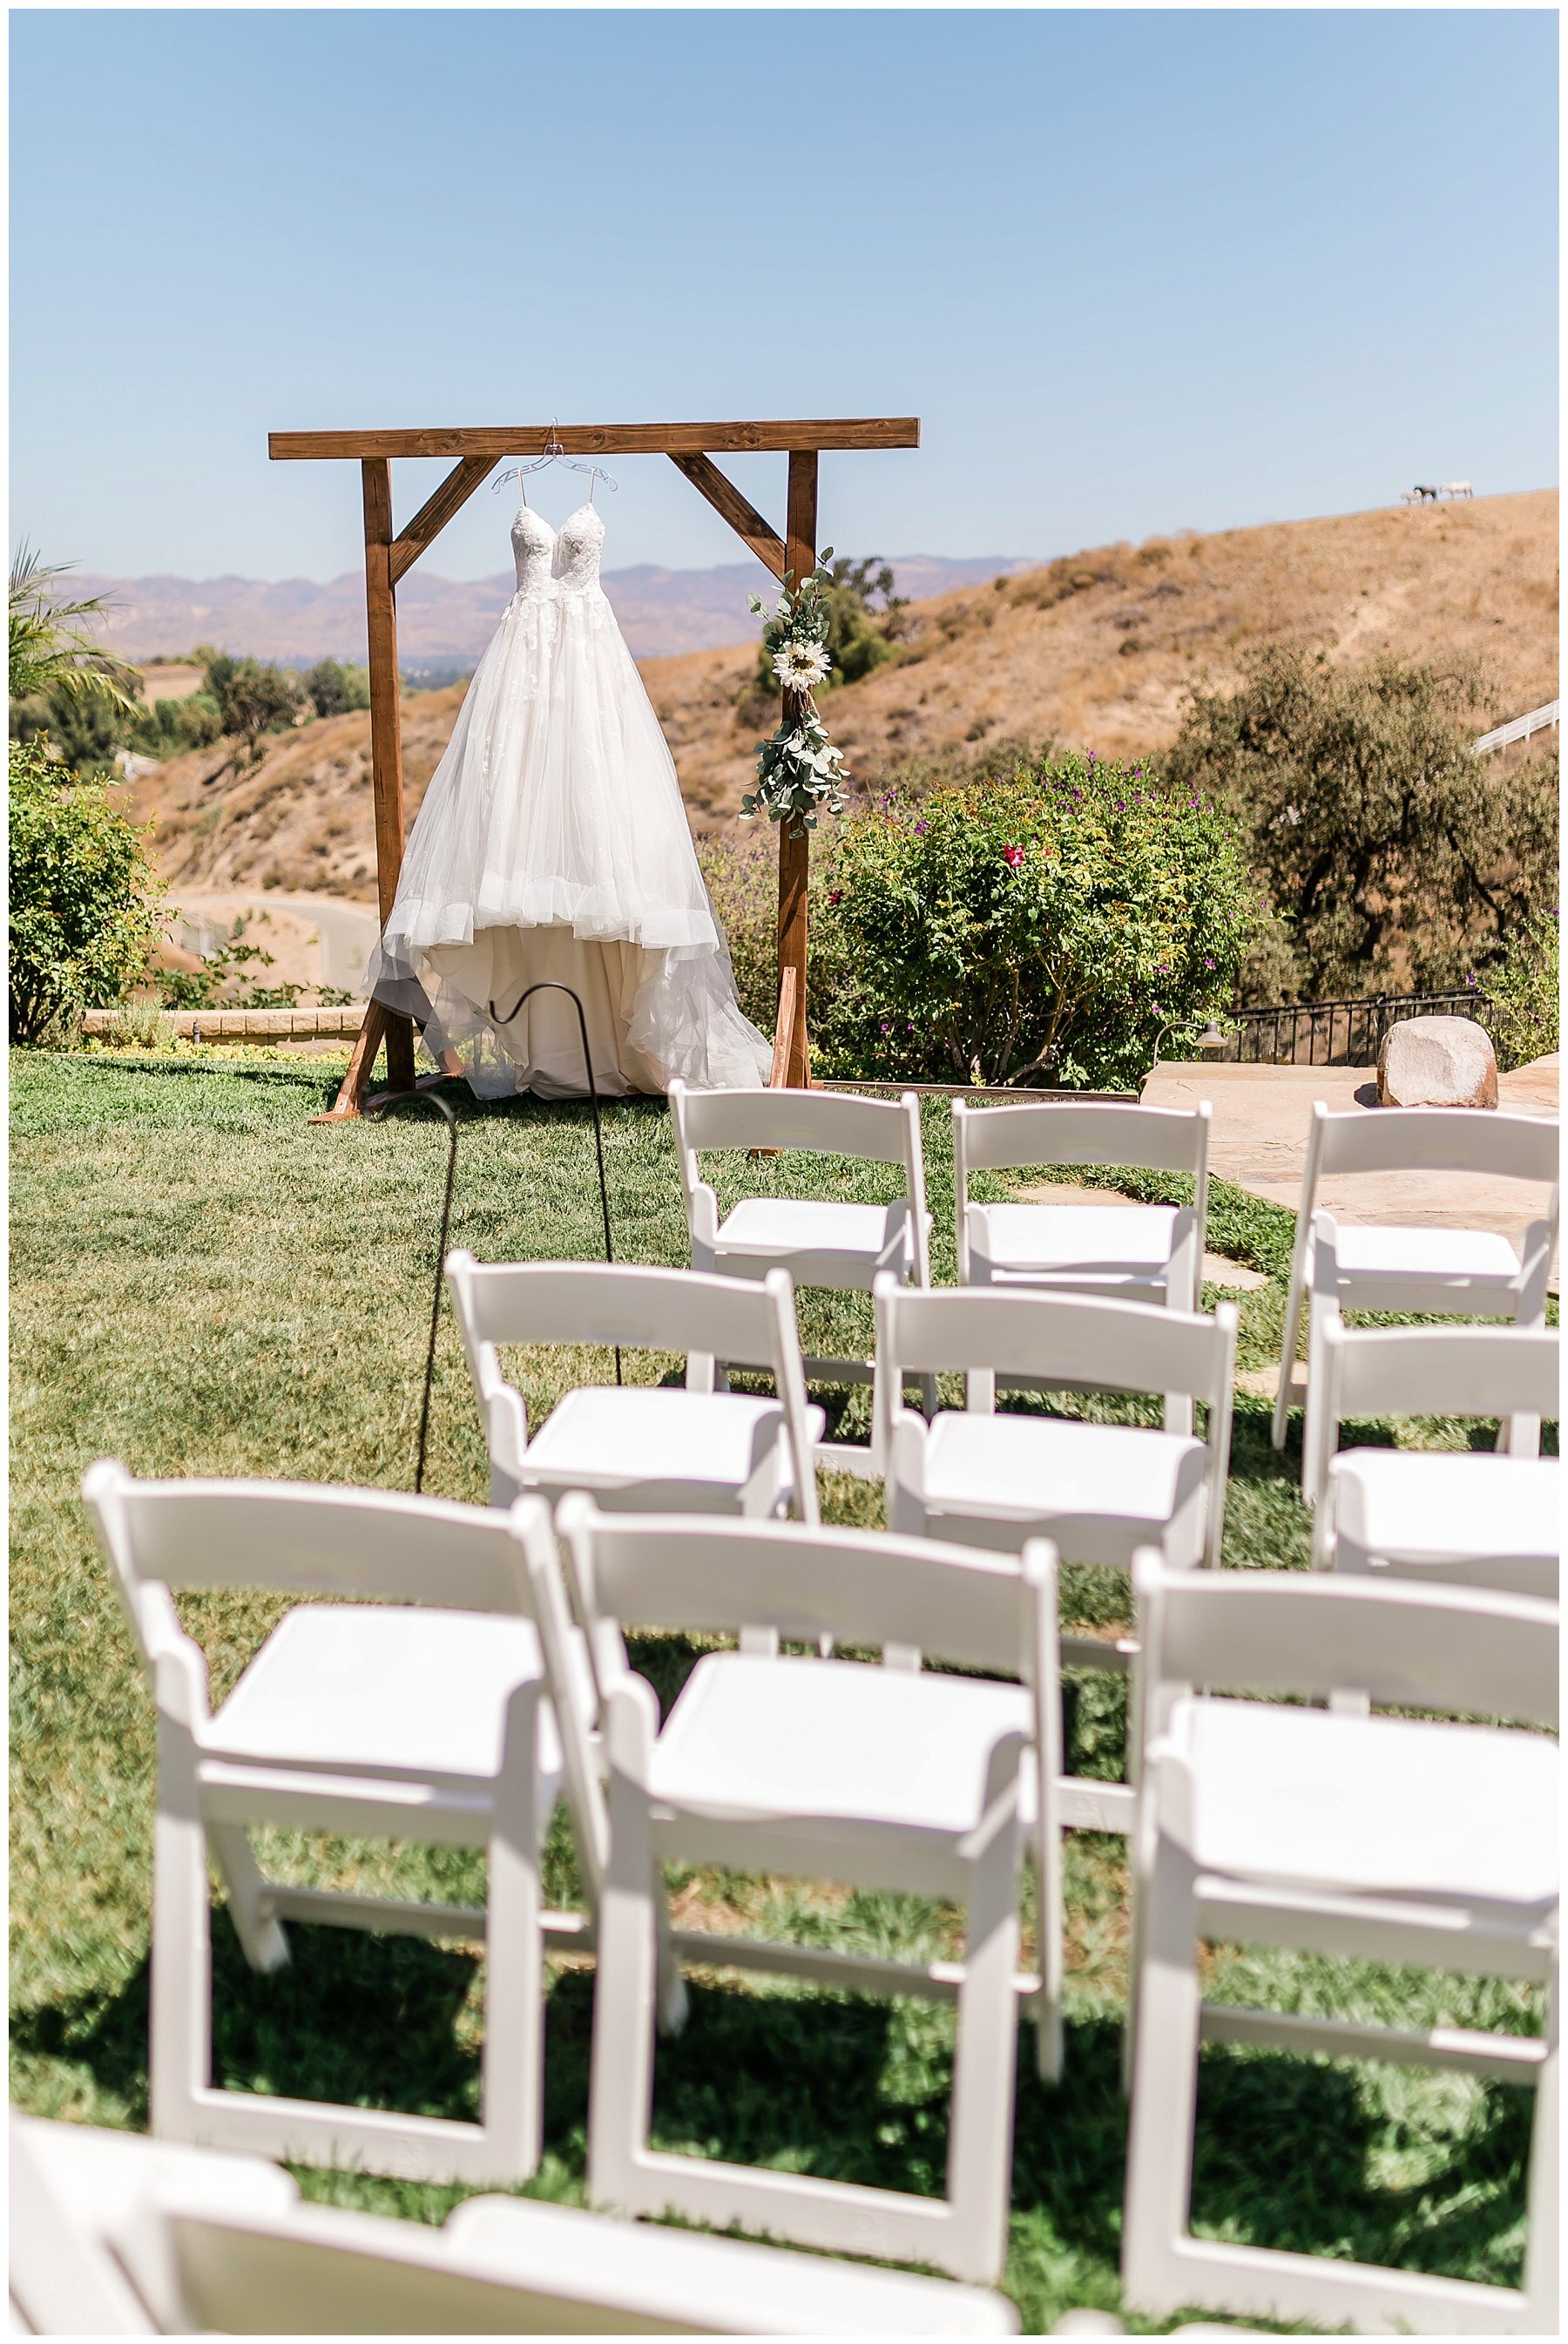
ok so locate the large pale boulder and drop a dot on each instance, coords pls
(1437, 1062)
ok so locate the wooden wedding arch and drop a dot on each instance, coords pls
(691, 448)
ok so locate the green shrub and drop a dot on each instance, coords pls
(251, 699)
(85, 907)
(83, 729)
(333, 689)
(741, 862)
(1395, 856)
(864, 617)
(1523, 999)
(226, 979)
(1049, 926)
(170, 727)
(142, 1026)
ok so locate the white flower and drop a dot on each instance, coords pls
(800, 665)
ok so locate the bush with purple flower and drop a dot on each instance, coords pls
(1039, 927)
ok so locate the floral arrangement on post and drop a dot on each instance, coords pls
(800, 773)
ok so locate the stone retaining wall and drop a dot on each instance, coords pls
(244, 1025)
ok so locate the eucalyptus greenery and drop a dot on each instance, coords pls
(800, 775)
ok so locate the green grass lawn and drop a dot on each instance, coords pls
(203, 1283)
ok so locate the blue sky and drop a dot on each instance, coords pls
(1135, 270)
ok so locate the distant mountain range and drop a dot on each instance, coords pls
(444, 623)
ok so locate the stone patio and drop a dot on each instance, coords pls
(1259, 1142)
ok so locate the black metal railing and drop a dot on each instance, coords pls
(1337, 1032)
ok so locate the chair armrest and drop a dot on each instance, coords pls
(503, 1408)
(1534, 1270)
(1321, 1272)
(630, 1723)
(901, 1235)
(702, 1225)
(178, 1664)
(999, 1807)
(1184, 1282)
(962, 1210)
(903, 1459)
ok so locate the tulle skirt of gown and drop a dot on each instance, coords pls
(552, 843)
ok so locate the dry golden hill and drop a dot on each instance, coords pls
(1096, 649)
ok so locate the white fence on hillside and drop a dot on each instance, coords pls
(1519, 729)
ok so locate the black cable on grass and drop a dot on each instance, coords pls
(378, 1107)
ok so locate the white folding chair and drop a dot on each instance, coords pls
(1401, 1839)
(820, 1241)
(641, 1446)
(1519, 1434)
(81, 2194)
(1454, 1273)
(1471, 1520)
(1138, 1253)
(893, 1778)
(418, 1715)
(1100, 1491)
(112, 2234)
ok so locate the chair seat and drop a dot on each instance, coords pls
(1402, 1505)
(1441, 1254)
(1385, 1806)
(396, 1688)
(1101, 1490)
(840, 1743)
(1128, 1242)
(615, 1438)
(768, 1229)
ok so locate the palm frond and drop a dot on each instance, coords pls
(46, 652)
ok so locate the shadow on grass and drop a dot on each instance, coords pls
(1290, 2153)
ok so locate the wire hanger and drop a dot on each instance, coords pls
(553, 454)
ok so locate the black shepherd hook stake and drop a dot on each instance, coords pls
(427, 1098)
(554, 985)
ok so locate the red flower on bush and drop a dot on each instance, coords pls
(1013, 854)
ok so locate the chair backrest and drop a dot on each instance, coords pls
(1155, 1138)
(826, 1122)
(722, 1576)
(300, 1538)
(617, 1303)
(1432, 1139)
(1405, 1643)
(88, 2244)
(64, 2278)
(1082, 1340)
(514, 2267)
(1464, 1371)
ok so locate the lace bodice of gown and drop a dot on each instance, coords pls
(534, 551)
(580, 542)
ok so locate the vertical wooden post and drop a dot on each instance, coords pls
(795, 854)
(385, 730)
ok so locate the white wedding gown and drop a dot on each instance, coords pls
(552, 842)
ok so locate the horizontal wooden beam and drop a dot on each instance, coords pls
(436, 511)
(727, 499)
(600, 439)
